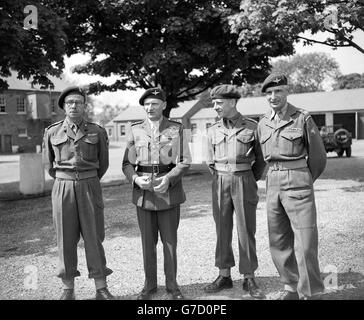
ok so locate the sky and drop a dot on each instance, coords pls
(350, 60)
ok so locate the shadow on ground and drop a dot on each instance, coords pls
(350, 286)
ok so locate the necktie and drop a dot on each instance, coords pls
(74, 128)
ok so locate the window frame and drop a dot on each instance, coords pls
(18, 100)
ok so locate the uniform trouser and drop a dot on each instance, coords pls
(78, 210)
(166, 222)
(292, 228)
(237, 192)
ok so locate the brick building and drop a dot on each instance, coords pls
(24, 113)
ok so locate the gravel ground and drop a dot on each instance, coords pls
(27, 239)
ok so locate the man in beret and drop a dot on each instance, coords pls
(76, 155)
(236, 163)
(155, 159)
(296, 157)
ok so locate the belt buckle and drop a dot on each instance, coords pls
(276, 165)
(77, 175)
(155, 167)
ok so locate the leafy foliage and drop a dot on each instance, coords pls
(183, 46)
(34, 53)
(308, 72)
(350, 81)
(290, 19)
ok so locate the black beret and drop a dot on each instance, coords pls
(156, 93)
(225, 91)
(70, 90)
(274, 80)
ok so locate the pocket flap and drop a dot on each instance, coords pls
(245, 138)
(291, 135)
(265, 138)
(58, 140)
(141, 143)
(91, 139)
(217, 139)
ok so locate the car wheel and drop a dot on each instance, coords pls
(348, 152)
(340, 153)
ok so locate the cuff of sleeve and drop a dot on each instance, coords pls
(133, 179)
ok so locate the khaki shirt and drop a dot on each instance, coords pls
(169, 146)
(294, 137)
(84, 151)
(237, 145)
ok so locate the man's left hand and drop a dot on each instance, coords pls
(163, 185)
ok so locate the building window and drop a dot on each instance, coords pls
(110, 132)
(122, 130)
(2, 103)
(53, 105)
(20, 105)
(22, 132)
(208, 125)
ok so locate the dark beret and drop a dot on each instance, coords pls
(225, 91)
(274, 80)
(156, 93)
(70, 90)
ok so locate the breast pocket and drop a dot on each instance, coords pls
(218, 144)
(89, 147)
(244, 143)
(60, 147)
(264, 143)
(142, 150)
(290, 143)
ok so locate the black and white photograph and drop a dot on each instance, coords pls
(209, 152)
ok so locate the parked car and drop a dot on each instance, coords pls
(336, 138)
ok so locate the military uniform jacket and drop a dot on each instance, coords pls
(235, 146)
(170, 147)
(84, 151)
(295, 137)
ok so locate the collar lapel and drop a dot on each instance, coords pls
(287, 117)
(238, 126)
(147, 129)
(221, 128)
(81, 131)
(68, 130)
(163, 125)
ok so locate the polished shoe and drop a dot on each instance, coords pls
(288, 295)
(176, 294)
(314, 297)
(250, 286)
(104, 294)
(219, 284)
(68, 294)
(146, 294)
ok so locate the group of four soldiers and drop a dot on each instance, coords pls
(238, 150)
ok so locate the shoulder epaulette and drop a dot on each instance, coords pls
(54, 124)
(138, 122)
(216, 123)
(174, 121)
(251, 120)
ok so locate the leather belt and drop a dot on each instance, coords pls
(76, 175)
(232, 167)
(287, 165)
(155, 168)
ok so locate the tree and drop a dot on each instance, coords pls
(308, 72)
(292, 18)
(35, 53)
(184, 46)
(350, 81)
